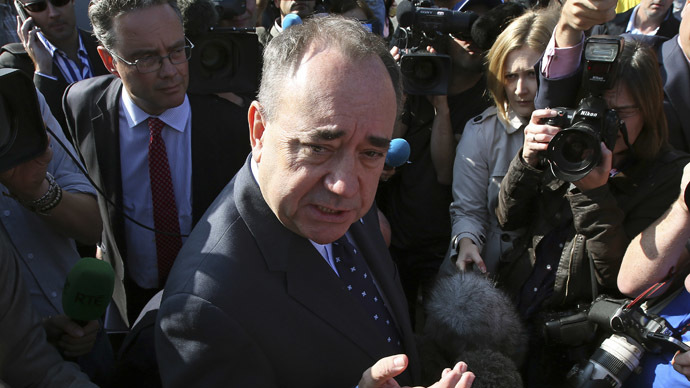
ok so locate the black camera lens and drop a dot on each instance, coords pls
(576, 148)
(574, 152)
(425, 73)
(215, 56)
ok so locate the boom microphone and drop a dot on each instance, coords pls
(88, 290)
(398, 153)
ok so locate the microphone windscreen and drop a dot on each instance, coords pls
(88, 289)
(290, 20)
(398, 153)
(405, 13)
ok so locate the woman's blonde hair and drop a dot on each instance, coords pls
(532, 30)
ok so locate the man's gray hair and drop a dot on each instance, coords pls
(284, 53)
(102, 13)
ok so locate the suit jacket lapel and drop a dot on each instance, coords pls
(106, 133)
(309, 279)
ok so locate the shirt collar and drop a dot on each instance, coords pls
(632, 28)
(52, 49)
(514, 120)
(175, 118)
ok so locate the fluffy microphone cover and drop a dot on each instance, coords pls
(470, 320)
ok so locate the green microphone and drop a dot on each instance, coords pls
(88, 290)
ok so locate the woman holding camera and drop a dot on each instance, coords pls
(491, 140)
(578, 232)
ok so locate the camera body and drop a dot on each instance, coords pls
(633, 333)
(425, 73)
(575, 150)
(226, 59)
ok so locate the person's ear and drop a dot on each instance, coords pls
(257, 128)
(108, 60)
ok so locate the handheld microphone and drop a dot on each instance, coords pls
(398, 153)
(88, 290)
(290, 20)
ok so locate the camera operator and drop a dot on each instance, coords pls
(577, 232)
(660, 253)
(46, 205)
(302, 8)
(416, 198)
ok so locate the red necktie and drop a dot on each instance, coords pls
(164, 208)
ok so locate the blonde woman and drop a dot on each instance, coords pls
(492, 139)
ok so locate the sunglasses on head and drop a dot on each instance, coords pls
(40, 6)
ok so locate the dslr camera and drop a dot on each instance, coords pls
(632, 332)
(575, 150)
(424, 25)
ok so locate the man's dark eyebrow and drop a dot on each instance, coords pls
(153, 52)
(326, 134)
(330, 134)
(380, 142)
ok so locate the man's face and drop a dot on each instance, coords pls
(246, 20)
(58, 24)
(321, 157)
(152, 31)
(655, 8)
(302, 8)
(466, 55)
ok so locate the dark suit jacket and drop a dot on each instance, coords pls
(250, 303)
(219, 146)
(675, 75)
(617, 26)
(14, 56)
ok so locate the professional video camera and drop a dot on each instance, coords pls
(22, 132)
(575, 151)
(424, 25)
(224, 59)
(633, 332)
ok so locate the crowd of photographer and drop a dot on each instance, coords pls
(545, 158)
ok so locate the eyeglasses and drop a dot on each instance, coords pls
(153, 63)
(40, 6)
(626, 111)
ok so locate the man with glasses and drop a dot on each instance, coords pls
(52, 50)
(160, 156)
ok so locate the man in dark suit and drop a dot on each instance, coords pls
(54, 52)
(259, 295)
(113, 121)
(561, 71)
(650, 17)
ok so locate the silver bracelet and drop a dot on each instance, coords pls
(48, 201)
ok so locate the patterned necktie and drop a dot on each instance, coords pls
(354, 272)
(164, 208)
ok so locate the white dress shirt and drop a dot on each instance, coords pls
(141, 258)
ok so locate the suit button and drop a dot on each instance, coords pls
(505, 237)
